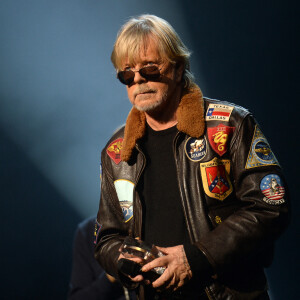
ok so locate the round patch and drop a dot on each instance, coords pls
(263, 151)
(272, 187)
(195, 149)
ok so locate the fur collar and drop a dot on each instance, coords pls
(190, 116)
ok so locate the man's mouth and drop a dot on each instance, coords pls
(146, 92)
(142, 91)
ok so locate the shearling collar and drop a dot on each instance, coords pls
(190, 116)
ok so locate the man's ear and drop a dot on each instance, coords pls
(179, 68)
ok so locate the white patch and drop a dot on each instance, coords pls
(124, 189)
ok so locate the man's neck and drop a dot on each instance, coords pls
(160, 125)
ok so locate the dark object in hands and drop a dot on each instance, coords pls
(129, 267)
(137, 248)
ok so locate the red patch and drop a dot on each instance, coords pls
(217, 179)
(219, 136)
(114, 150)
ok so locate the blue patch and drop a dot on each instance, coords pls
(273, 189)
(195, 149)
(263, 151)
(96, 231)
(260, 153)
(127, 210)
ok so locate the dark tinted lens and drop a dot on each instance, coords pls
(150, 72)
(126, 77)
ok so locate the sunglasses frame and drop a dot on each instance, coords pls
(146, 76)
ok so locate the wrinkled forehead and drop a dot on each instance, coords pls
(132, 51)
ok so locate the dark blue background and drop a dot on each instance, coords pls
(60, 101)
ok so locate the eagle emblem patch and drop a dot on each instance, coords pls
(195, 149)
(215, 178)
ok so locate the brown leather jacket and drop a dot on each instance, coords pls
(233, 193)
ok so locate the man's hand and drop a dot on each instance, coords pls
(138, 260)
(177, 272)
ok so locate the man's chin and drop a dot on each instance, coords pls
(148, 107)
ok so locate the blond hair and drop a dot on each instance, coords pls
(136, 33)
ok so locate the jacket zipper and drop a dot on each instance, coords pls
(209, 296)
(180, 188)
(135, 198)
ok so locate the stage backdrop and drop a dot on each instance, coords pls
(60, 102)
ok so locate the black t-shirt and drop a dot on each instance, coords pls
(163, 217)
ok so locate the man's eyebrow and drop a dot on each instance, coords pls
(154, 61)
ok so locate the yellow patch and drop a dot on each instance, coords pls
(215, 178)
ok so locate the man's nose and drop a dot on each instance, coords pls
(138, 78)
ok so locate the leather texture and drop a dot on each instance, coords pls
(235, 232)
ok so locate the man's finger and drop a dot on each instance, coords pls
(137, 278)
(162, 280)
(158, 262)
(135, 259)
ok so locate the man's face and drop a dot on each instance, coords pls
(152, 95)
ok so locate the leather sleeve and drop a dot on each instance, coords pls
(113, 229)
(255, 224)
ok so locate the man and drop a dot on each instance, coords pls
(208, 209)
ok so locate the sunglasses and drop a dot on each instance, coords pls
(148, 72)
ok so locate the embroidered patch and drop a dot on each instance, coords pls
(218, 219)
(219, 137)
(100, 169)
(195, 149)
(124, 190)
(114, 150)
(260, 153)
(218, 112)
(96, 231)
(272, 187)
(215, 178)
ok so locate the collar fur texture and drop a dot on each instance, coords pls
(190, 117)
